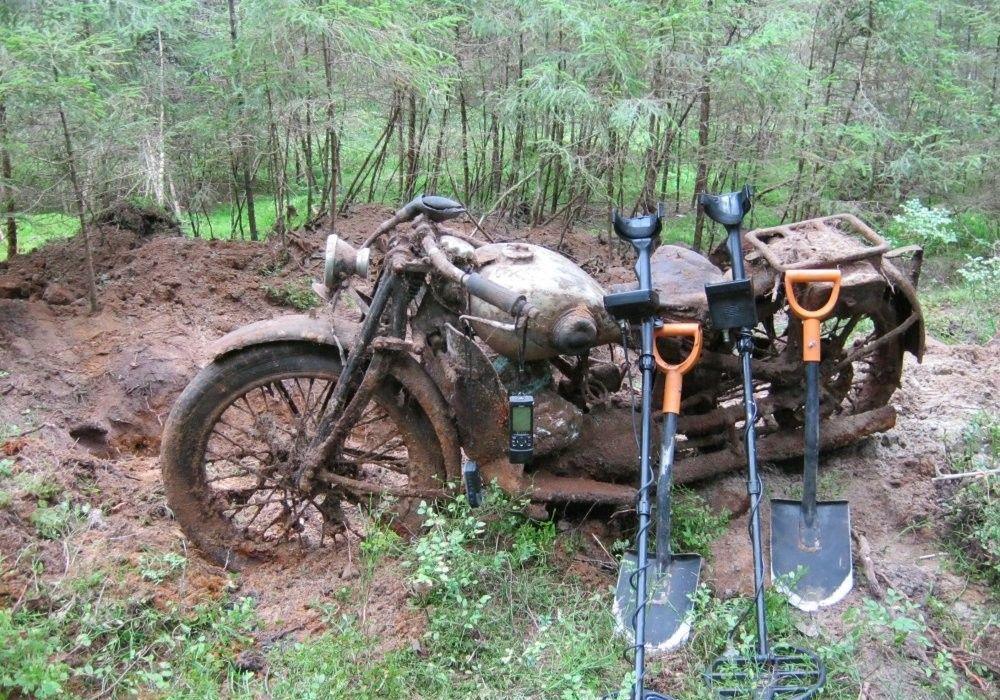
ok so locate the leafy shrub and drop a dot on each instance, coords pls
(931, 227)
(693, 524)
(159, 567)
(982, 274)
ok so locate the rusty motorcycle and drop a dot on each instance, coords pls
(405, 374)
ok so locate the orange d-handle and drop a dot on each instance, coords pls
(811, 319)
(672, 388)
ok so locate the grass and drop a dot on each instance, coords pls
(501, 615)
(35, 230)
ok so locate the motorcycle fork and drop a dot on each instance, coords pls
(335, 422)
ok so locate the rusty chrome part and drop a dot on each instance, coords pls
(808, 244)
(342, 260)
(318, 329)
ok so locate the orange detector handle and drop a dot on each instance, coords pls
(811, 319)
(672, 386)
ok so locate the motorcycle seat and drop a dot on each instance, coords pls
(436, 208)
(726, 209)
(636, 228)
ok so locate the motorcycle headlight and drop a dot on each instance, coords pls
(342, 261)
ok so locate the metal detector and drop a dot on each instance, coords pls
(793, 673)
(640, 306)
(673, 579)
(810, 541)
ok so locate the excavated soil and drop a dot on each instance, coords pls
(89, 394)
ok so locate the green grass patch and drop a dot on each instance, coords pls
(955, 314)
(35, 230)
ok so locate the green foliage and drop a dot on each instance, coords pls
(956, 314)
(693, 525)
(29, 663)
(158, 567)
(54, 522)
(972, 511)
(982, 276)
(900, 624)
(931, 227)
(298, 295)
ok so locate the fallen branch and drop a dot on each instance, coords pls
(978, 473)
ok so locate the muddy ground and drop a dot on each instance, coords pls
(84, 398)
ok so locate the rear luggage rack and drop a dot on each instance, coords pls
(808, 244)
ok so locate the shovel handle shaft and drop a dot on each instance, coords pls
(675, 372)
(811, 318)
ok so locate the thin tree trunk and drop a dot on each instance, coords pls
(6, 187)
(243, 149)
(701, 175)
(465, 143)
(333, 146)
(78, 194)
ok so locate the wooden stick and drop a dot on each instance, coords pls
(977, 473)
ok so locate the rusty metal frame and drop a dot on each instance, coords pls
(757, 239)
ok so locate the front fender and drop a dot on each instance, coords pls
(318, 329)
(340, 335)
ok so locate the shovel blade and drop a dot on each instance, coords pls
(669, 601)
(812, 572)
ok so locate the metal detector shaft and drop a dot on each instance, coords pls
(645, 477)
(745, 344)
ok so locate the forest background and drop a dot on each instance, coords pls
(247, 118)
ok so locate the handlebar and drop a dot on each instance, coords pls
(478, 286)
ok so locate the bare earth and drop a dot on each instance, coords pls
(89, 395)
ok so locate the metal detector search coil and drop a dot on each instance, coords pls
(521, 428)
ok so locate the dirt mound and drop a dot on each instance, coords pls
(144, 220)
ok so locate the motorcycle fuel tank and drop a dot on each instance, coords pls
(570, 303)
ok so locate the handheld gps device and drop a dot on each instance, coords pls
(521, 428)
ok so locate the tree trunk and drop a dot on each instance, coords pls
(333, 146)
(243, 150)
(701, 176)
(78, 194)
(6, 188)
(465, 144)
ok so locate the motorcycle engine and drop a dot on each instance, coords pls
(571, 316)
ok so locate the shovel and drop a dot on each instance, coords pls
(672, 578)
(810, 541)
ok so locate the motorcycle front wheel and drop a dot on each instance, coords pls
(234, 437)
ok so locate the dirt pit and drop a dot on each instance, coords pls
(84, 398)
